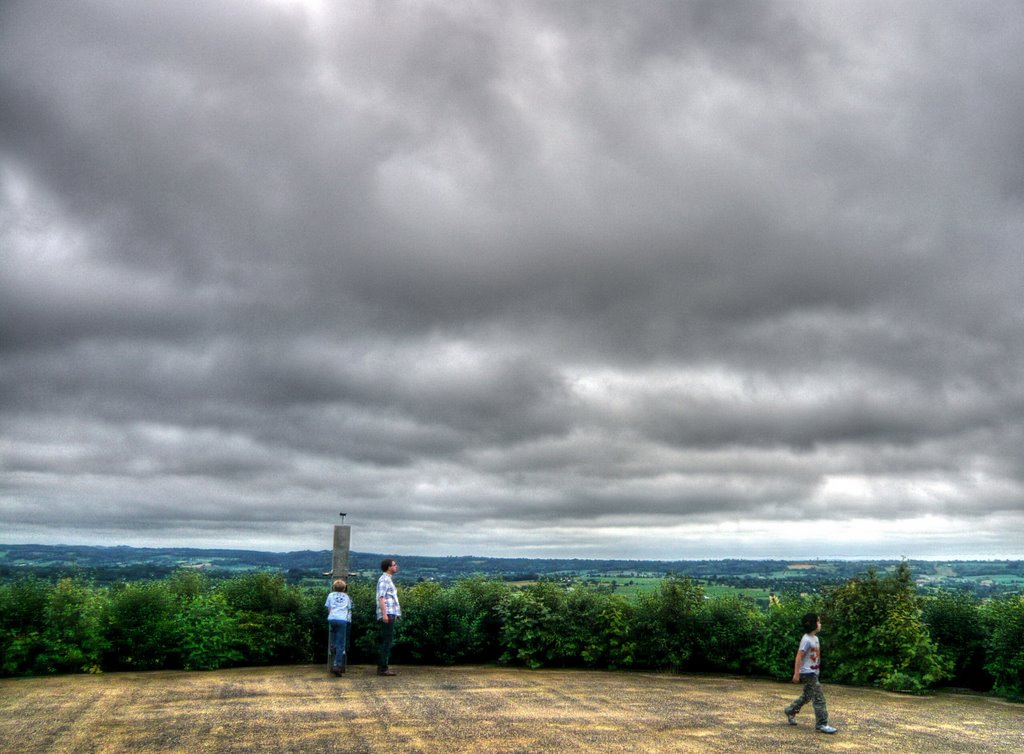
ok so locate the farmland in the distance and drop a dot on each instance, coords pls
(754, 578)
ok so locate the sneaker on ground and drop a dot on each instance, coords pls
(790, 718)
(826, 729)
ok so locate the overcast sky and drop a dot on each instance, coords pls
(571, 279)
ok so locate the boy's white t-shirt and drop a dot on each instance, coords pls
(811, 648)
(340, 606)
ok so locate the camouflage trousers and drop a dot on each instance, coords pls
(814, 694)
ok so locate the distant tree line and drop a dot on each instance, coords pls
(878, 631)
(112, 565)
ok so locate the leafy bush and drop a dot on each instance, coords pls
(665, 624)
(600, 632)
(142, 630)
(22, 623)
(187, 584)
(75, 636)
(208, 633)
(483, 596)
(271, 621)
(876, 635)
(315, 616)
(438, 625)
(531, 623)
(728, 635)
(877, 631)
(780, 636)
(1004, 621)
(954, 621)
(364, 631)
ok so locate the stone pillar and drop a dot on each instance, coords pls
(339, 566)
(339, 563)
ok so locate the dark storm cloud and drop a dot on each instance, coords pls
(502, 277)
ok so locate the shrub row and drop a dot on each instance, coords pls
(877, 630)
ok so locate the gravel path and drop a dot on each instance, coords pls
(483, 710)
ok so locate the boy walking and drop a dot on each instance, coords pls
(805, 671)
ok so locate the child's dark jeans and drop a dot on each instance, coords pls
(812, 693)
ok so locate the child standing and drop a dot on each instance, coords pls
(339, 616)
(805, 670)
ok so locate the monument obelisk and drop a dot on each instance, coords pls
(342, 540)
(339, 564)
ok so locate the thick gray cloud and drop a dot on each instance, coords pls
(613, 279)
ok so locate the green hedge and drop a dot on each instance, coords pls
(876, 630)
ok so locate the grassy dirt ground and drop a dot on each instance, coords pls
(477, 709)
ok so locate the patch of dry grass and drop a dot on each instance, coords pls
(476, 709)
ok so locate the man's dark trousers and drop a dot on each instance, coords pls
(387, 639)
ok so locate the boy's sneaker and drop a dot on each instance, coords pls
(826, 729)
(790, 718)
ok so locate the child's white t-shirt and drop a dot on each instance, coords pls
(811, 648)
(340, 606)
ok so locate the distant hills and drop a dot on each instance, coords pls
(111, 564)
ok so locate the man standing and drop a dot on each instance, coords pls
(388, 612)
